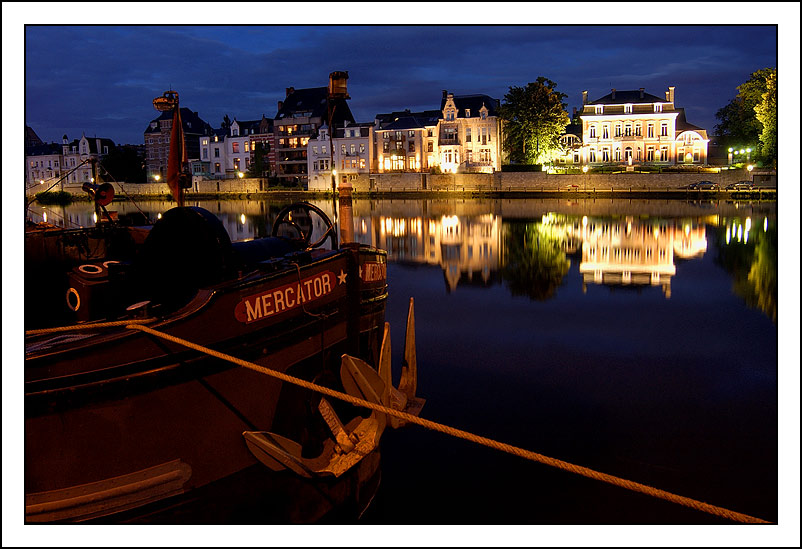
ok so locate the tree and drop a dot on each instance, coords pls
(766, 113)
(123, 164)
(739, 125)
(259, 166)
(534, 119)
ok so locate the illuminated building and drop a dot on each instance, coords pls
(469, 133)
(352, 148)
(406, 141)
(630, 128)
(157, 140)
(299, 116)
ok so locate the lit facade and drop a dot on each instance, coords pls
(630, 128)
(350, 149)
(469, 134)
(49, 162)
(157, 140)
(406, 141)
(299, 116)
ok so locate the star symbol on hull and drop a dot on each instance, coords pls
(341, 277)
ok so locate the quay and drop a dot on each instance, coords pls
(491, 185)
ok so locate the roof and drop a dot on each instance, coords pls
(627, 96)
(193, 124)
(473, 103)
(683, 125)
(43, 149)
(312, 102)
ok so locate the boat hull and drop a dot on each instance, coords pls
(121, 426)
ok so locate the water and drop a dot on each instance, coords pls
(636, 338)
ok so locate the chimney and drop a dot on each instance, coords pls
(574, 115)
(613, 90)
(289, 91)
(445, 94)
(671, 94)
(641, 93)
(584, 97)
(280, 105)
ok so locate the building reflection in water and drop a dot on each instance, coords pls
(614, 252)
(467, 248)
(635, 252)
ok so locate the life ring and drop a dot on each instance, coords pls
(91, 270)
(73, 292)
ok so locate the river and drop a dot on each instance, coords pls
(637, 338)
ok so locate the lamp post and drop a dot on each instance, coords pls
(749, 168)
(585, 171)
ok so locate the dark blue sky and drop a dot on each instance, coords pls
(100, 80)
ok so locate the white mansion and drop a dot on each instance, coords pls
(633, 127)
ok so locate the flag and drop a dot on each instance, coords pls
(177, 159)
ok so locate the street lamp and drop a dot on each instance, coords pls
(585, 171)
(240, 175)
(157, 177)
(749, 168)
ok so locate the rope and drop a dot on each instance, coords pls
(88, 326)
(514, 450)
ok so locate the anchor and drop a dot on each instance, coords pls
(352, 442)
(360, 436)
(362, 381)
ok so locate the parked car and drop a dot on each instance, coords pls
(740, 186)
(703, 186)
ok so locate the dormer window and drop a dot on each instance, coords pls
(658, 107)
(599, 109)
(627, 109)
(467, 113)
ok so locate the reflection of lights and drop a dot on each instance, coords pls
(242, 219)
(765, 224)
(629, 227)
(656, 233)
(746, 237)
(687, 230)
(748, 224)
(450, 222)
(740, 232)
(94, 217)
(584, 221)
(388, 225)
(44, 216)
(364, 227)
(432, 226)
(728, 235)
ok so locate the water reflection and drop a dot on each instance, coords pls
(527, 245)
(749, 254)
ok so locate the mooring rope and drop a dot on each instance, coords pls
(98, 325)
(514, 450)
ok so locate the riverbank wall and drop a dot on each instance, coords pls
(495, 184)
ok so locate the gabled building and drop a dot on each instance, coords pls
(299, 116)
(43, 165)
(157, 140)
(350, 148)
(469, 133)
(632, 127)
(406, 141)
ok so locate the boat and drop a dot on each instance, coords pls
(124, 426)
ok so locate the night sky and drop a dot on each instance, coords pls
(100, 80)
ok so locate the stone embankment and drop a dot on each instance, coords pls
(495, 184)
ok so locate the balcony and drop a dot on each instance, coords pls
(449, 141)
